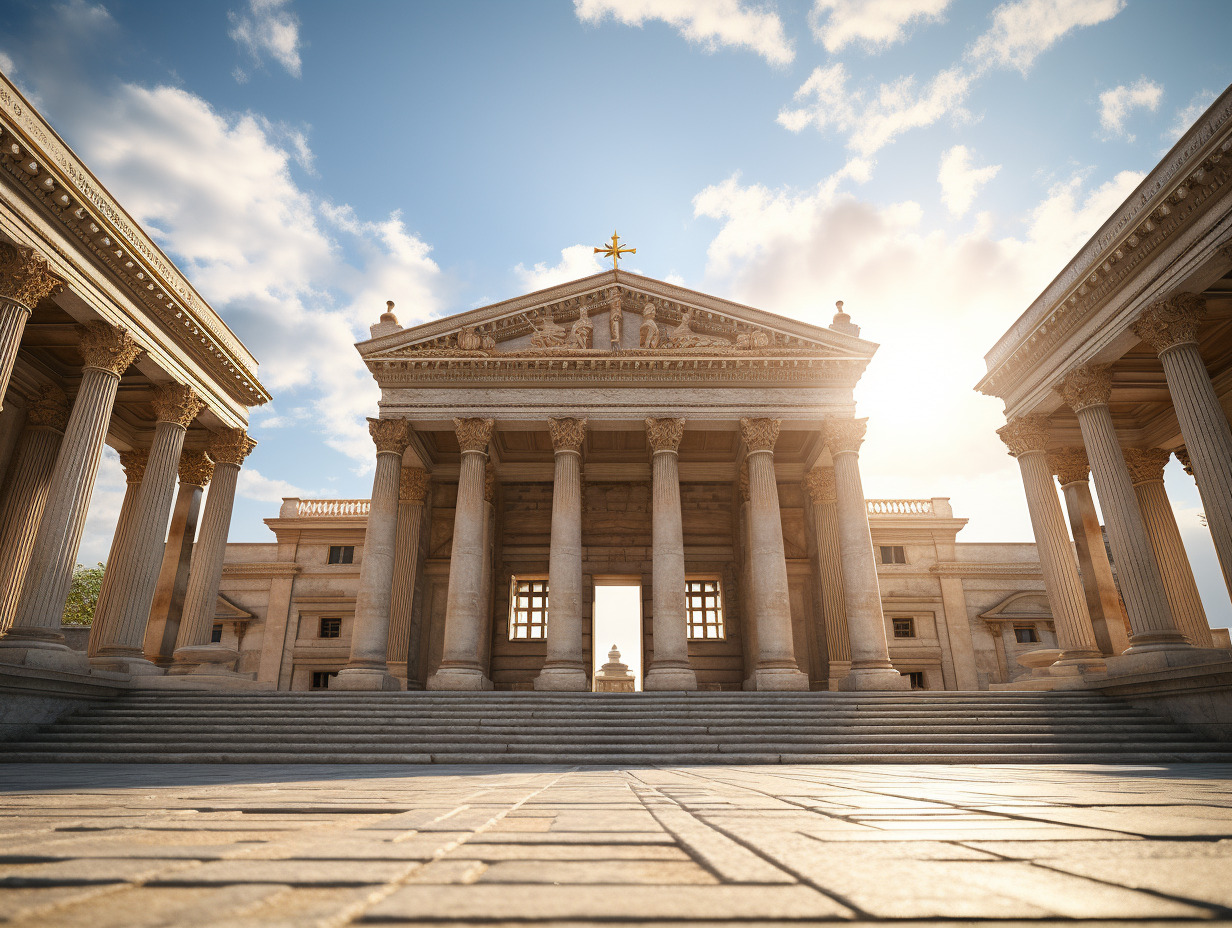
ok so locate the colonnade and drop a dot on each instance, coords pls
(668, 667)
(1153, 573)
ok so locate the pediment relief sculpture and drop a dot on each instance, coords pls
(683, 335)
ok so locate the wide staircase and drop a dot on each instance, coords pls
(586, 728)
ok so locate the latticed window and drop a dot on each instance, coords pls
(704, 610)
(528, 611)
(341, 554)
(893, 554)
(904, 627)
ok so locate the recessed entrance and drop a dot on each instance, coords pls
(618, 621)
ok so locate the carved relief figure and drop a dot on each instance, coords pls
(753, 338)
(615, 319)
(469, 339)
(486, 341)
(683, 335)
(582, 332)
(649, 331)
(547, 333)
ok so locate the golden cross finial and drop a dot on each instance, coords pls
(614, 250)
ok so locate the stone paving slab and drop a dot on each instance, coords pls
(309, 845)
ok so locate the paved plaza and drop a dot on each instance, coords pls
(133, 845)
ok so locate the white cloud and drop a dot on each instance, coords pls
(7, 65)
(1116, 104)
(1023, 30)
(710, 23)
(875, 23)
(268, 28)
(960, 182)
(575, 261)
(1198, 104)
(252, 484)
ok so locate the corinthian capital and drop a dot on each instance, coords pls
(196, 468)
(1168, 323)
(1182, 455)
(174, 402)
(760, 434)
(1070, 465)
(49, 408)
(133, 462)
(391, 436)
(1086, 386)
(567, 434)
(844, 434)
(664, 434)
(24, 277)
(1145, 464)
(1025, 434)
(474, 434)
(231, 446)
(413, 484)
(820, 485)
(107, 348)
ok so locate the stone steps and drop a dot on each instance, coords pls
(651, 728)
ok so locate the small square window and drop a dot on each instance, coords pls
(528, 610)
(917, 680)
(341, 554)
(321, 678)
(216, 633)
(704, 610)
(1025, 634)
(893, 554)
(331, 627)
(904, 627)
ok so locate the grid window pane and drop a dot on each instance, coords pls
(704, 610)
(893, 554)
(528, 615)
(904, 627)
(341, 554)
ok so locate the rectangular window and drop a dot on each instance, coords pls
(904, 627)
(321, 678)
(528, 609)
(331, 627)
(893, 554)
(917, 680)
(704, 610)
(341, 554)
(216, 633)
(1025, 634)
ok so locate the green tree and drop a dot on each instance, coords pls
(83, 597)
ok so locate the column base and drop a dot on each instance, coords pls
(1164, 641)
(780, 680)
(562, 680)
(873, 679)
(33, 637)
(838, 673)
(458, 678)
(669, 678)
(1148, 661)
(204, 658)
(133, 666)
(360, 678)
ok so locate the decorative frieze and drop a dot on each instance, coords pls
(413, 485)
(1025, 434)
(567, 434)
(133, 461)
(107, 348)
(760, 434)
(1168, 323)
(391, 436)
(1145, 464)
(24, 276)
(231, 446)
(195, 468)
(175, 402)
(1070, 465)
(1086, 386)
(819, 482)
(664, 434)
(474, 434)
(844, 434)
(49, 407)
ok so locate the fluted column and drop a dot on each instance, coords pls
(1086, 390)
(776, 652)
(368, 668)
(820, 485)
(118, 635)
(748, 626)
(1146, 473)
(412, 493)
(163, 626)
(461, 667)
(565, 667)
(1108, 619)
(871, 668)
(669, 667)
(134, 463)
(108, 351)
(24, 281)
(227, 450)
(1026, 438)
(1170, 327)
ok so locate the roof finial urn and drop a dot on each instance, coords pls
(842, 321)
(388, 323)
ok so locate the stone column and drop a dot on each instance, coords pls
(134, 463)
(776, 653)
(368, 668)
(565, 667)
(1026, 437)
(1146, 473)
(748, 626)
(12, 425)
(412, 492)
(228, 449)
(24, 281)
(26, 493)
(461, 667)
(1170, 327)
(163, 627)
(819, 482)
(118, 636)
(108, 352)
(870, 654)
(669, 667)
(1086, 390)
(1104, 606)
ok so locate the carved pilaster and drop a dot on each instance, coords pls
(195, 468)
(106, 348)
(231, 446)
(819, 482)
(49, 408)
(567, 434)
(391, 436)
(1070, 465)
(742, 481)
(177, 403)
(474, 434)
(133, 461)
(24, 276)
(844, 434)
(1025, 434)
(1086, 386)
(489, 481)
(1168, 323)
(1145, 464)
(413, 485)
(760, 434)
(664, 434)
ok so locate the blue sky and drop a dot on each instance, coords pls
(933, 163)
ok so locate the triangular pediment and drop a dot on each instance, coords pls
(615, 315)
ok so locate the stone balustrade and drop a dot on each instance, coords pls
(899, 507)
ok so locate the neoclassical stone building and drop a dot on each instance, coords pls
(104, 342)
(1122, 362)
